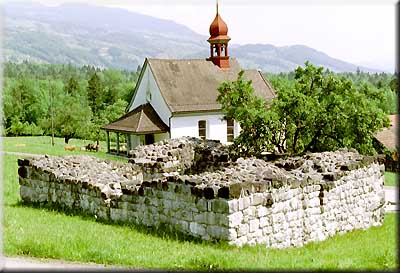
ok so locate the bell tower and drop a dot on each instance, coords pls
(219, 42)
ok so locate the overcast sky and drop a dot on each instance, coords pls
(357, 31)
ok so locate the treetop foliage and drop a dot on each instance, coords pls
(79, 99)
(318, 111)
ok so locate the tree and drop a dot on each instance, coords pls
(394, 85)
(72, 119)
(239, 102)
(95, 93)
(320, 112)
(72, 87)
(113, 80)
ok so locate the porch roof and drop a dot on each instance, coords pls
(141, 120)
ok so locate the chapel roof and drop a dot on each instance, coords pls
(190, 85)
(388, 136)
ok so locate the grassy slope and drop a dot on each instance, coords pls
(50, 234)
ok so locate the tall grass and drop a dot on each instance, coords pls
(45, 233)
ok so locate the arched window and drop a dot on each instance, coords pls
(202, 124)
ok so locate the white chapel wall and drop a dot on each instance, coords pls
(149, 83)
(188, 126)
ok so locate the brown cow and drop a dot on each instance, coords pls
(69, 148)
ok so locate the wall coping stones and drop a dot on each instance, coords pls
(233, 180)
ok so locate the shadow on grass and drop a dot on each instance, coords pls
(163, 231)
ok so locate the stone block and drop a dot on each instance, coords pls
(201, 204)
(258, 199)
(264, 221)
(218, 232)
(254, 225)
(314, 202)
(267, 230)
(244, 202)
(278, 218)
(242, 229)
(233, 205)
(241, 241)
(211, 218)
(277, 207)
(250, 212)
(219, 205)
(43, 197)
(261, 211)
(200, 218)
(235, 219)
(197, 229)
(187, 215)
(232, 234)
(222, 219)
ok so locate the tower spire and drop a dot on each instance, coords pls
(219, 41)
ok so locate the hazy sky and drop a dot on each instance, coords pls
(361, 32)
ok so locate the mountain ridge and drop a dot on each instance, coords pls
(116, 38)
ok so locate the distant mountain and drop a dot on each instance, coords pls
(111, 37)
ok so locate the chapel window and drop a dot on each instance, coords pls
(202, 129)
(230, 129)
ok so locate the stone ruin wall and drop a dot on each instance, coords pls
(192, 187)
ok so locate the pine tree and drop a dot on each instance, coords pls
(95, 94)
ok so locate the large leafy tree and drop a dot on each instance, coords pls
(73, 119)
(319, 112)
(239, 102)
(23, 107)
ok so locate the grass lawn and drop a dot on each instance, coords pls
(42, 145)
(391, 179)
(44, 233)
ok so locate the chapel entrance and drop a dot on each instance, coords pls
(148, 139)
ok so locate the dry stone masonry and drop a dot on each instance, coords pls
(194, 187)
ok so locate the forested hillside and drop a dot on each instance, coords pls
(82, 99)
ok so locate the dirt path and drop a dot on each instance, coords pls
(19, 154)
(24, 263)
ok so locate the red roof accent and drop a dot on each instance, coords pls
(218, 27)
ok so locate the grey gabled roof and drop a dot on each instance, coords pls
(191, 85)
(388, 136)
(141, 120)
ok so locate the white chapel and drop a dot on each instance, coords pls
(178, 97)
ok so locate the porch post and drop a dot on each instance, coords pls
(117, 142)
(108, 142)
(128, 140)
